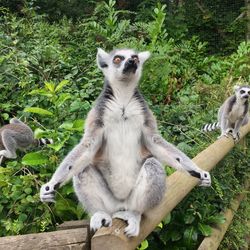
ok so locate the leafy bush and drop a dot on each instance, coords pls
(50, 79)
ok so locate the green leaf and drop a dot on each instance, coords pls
(206, 230)
(58, 145)
(190, 235)
(28, 190)
(217, 219)
(160, 225)
(144, 245)
(34, 159)
(61, 85)
(66, 125)
(78, 125)
(175, 235)
(167, 219)
(22, 217)
(50, 86)
(38, 111)
(188, 218)
(62, 99)
(42, 92)
(38, 133)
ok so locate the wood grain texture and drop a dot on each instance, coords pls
(178, 186)
(73, 224)
(76, 239)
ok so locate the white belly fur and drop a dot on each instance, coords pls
(236, 113)
(123, 148)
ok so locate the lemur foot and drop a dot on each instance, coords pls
(1, 159)
(47, 192)
(236, 136)
(228, 133)
(205, 179)
(133, 219)
(100, 219)
(7, 154)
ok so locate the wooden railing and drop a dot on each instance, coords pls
(178, 186)
(77, 235)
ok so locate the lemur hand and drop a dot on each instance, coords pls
(205, 179)
(236, 136)
(47, 192)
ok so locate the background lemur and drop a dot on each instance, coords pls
(116, 167)
(17, 135)
(232, 114)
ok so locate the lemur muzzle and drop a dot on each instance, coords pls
(130, 66)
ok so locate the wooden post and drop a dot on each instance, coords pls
(212, 242)
(178, 186)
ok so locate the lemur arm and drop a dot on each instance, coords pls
(75, 162)
(168, 154)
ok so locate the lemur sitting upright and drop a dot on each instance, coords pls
(116, 167)
(232, 114)
(17, 135)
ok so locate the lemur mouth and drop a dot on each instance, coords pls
(130, 66)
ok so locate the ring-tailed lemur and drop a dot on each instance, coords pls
(116, 167)
(17, 135)
(232, 114)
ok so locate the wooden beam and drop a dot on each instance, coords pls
(73, 224)
(178, 186)
(76, 239)
(212, 242)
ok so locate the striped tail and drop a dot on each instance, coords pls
(43, 141)
(210, 127)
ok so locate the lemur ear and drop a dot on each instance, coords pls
(143, 56)
(102, 58)
(236, 87)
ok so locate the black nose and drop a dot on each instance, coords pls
(131, 61)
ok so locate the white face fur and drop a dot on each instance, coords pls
(242, 92)
(121, 66)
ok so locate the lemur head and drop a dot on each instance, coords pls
(121, 66)
(242, 92)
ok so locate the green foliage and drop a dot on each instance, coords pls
(50, 79)
(238, 231)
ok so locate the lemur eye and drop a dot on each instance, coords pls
(242, 91)
(118, 59)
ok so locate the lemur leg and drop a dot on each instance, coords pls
(167, 153)
(10, 145)
(75, 162)
(226, 129)
(148, 192)
(245, 120)
(236, 130)
(93, 192)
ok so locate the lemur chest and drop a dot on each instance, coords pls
(237, 112)
(122, 131)
(123, 119)
(122, 134)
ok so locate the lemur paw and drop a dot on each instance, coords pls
(205, 179)
(7, 154)
(236, 136)
(100, 219)
(133, 220)
(229, 131)
(2, 152)
(47, 192)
